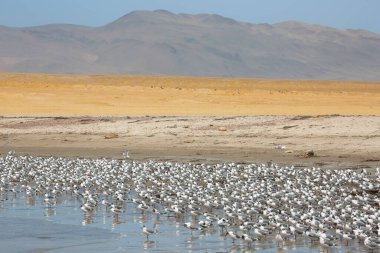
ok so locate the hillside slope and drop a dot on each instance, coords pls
(163, 43)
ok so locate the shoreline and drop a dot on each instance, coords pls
(337, 141)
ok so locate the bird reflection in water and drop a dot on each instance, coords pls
(49, 212)
(148, 244)
(235, 248)
(143, 218)
(87, 219)
(30, 201)
(190, 241)
(116, 220)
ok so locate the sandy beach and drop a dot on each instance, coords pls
(103, 116)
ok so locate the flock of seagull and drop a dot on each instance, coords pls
(244, 202)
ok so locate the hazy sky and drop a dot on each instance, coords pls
(355, 14)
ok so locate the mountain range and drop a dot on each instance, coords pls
(164, 43)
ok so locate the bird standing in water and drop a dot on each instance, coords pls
(147, 232)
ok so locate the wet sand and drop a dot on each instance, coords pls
(337, 141)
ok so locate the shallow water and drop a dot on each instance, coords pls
(28, 225)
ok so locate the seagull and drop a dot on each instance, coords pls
(147, 232)
(372, 243)
(190, 226)
(126, 154)
(222, 223)
(116, 210)
(232, 235)
(49, 200)
(247, 239)
(205, 224)
(348, 237)
(279, 146)
(326, 243)
(279, 239)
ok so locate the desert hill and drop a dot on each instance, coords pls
(163, 43)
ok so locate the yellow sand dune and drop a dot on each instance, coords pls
(77, 95)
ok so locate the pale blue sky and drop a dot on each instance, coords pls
(357, 14)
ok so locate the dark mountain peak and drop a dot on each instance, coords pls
(364, 34)
(56, 27)
(139, 17)
(135, 17)
(325, 32)
(216, 19)
(4, 28)
(298, 25)
(291, 23)
(164, 12)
